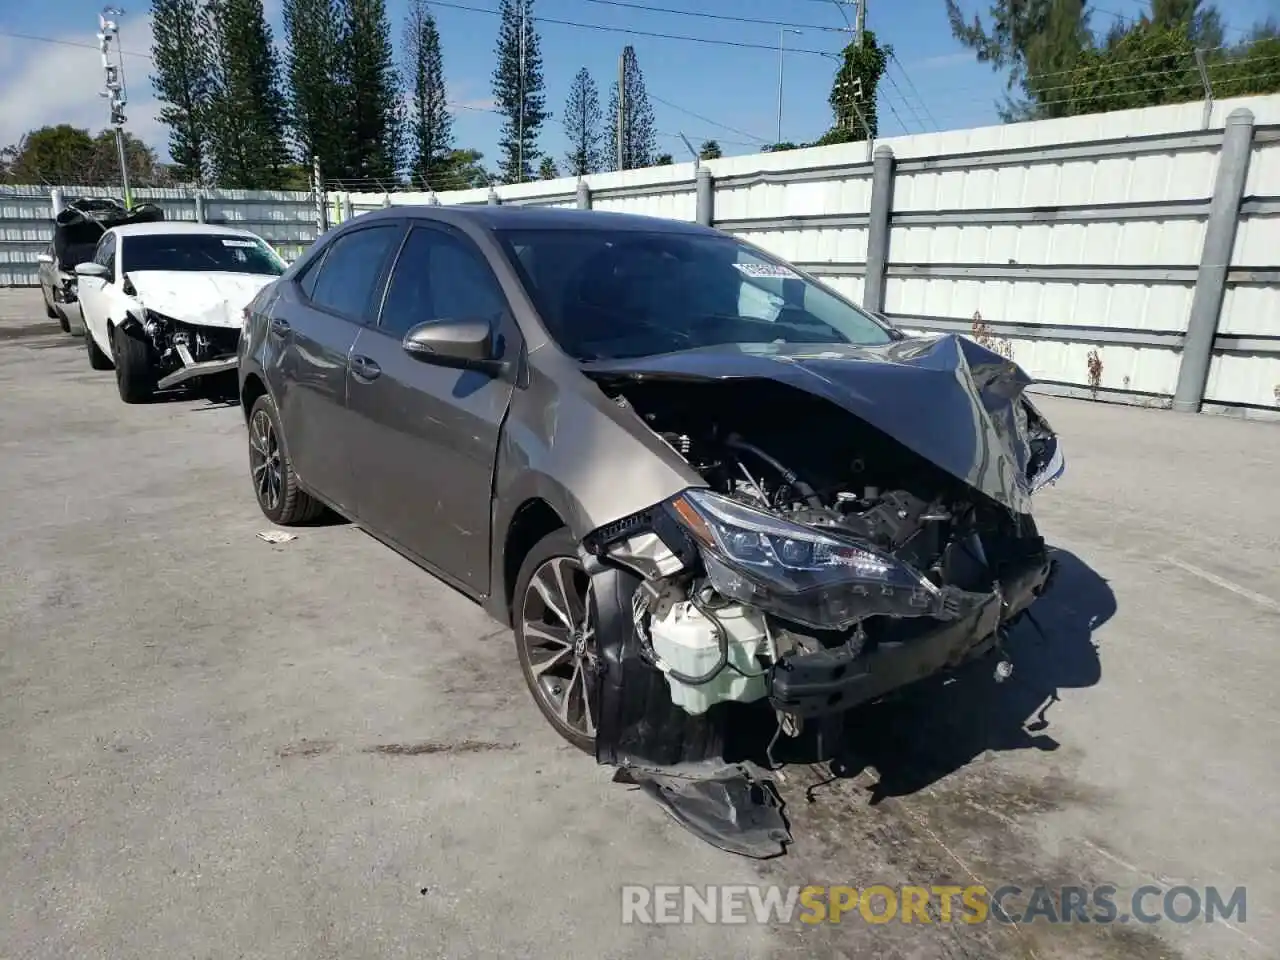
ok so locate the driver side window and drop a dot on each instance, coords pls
(106, 255)
(439, 276)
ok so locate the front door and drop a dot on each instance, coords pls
(314, 327)
(427, 436)
(93, 293)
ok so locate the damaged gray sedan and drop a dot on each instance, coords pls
(702, 488)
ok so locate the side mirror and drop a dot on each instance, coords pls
(44, 258)
(92, 269)
(463, 344)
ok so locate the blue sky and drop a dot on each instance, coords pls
(703, 90)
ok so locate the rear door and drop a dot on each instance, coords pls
(314, 327)
(427, 436)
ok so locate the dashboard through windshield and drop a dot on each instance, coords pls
(612, 294)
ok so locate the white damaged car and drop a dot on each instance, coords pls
(164, 302)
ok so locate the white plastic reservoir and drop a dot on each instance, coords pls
(686, 641)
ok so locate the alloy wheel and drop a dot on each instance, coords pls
(558, 632)
(264, 460)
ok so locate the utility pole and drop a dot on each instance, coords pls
(520, 123)
(622, 108)
(114, 91)
(859, 21)
(782, 32)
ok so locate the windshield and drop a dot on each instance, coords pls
(609, 294)
(199, 251)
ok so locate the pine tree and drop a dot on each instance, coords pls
(710, 150)
(317, 89)
(430, 126)
(518, 89)
(246, 109)
(181, 79)
(639, 143)
(582, 126)
(375, 121)
(547, 169)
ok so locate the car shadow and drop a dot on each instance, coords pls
(936, 727)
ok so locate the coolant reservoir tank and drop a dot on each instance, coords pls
(686, 641)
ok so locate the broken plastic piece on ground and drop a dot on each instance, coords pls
(729, 808)
(277, 536)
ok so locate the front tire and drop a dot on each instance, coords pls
(63, 322)
(275, 484)
(49, 312)
(135, 374)
(554, 618)
(97, 359)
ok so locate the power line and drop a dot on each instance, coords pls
(68, 43)
(893, 83)
(712, 16)
(714, 123)
(742, 45)
(906, 76)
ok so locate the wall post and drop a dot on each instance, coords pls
(584, 195)
(873, 283)
(705, 187)
(55, 201)
(494, 199)
(1215, 260)
(348, 210)
(200, 214)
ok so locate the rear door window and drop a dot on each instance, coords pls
(351, 269)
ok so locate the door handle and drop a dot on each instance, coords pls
(279, 326)
(364, 368)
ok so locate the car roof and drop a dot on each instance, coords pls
(514, 216)
(170, 227)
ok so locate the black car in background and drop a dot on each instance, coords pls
(76, 231)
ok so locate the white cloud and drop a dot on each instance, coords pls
(47, 83)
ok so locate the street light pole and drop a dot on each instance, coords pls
(782, 33)
(115, 93)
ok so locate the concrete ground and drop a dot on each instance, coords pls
(215, 747)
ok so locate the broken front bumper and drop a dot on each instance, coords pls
(837, 679)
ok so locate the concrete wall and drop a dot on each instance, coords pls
(285, 219)
(1077, 243)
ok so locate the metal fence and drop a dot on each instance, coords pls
(1130, 256)
(284, 218)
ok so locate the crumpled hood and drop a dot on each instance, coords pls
(214, 299)
(946, 398)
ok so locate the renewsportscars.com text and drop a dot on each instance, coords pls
(1103, 903)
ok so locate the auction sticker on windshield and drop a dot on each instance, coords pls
(245, 244)
(767, 271)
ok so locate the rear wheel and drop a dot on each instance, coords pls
(275, 484)
(135, 375)
(97, 359)
(555, 626)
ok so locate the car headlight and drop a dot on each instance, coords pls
(818, 579)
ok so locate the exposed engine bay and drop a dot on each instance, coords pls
(176, 344)
(824, 566)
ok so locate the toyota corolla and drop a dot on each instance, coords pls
(693, 479)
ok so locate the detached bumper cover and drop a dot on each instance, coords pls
(838, 679)
(205, 369)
